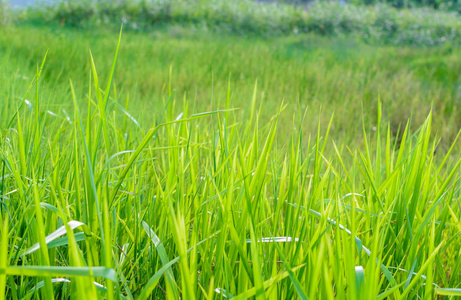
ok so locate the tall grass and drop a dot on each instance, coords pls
(206, 205)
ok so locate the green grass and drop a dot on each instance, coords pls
(326, 75)
(137, 180)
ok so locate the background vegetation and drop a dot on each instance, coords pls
(340, 76)
(375, 24)
(435, 4)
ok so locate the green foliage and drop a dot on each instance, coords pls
(448, 5)
(381, 23)
(4, 12)
(95, 203)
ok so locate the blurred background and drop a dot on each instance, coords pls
(318, 57)
(397, 3)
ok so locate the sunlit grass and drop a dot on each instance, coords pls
(203, 204)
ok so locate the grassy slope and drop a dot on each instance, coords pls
(338, 76)
(224, 180)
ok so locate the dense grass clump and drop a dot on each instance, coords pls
(95, 203)
(378, 24)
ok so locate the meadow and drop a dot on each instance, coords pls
(186, 163)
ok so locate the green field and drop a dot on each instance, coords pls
(326, 76)
(206, 165)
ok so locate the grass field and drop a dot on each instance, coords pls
(340, 76)
(206, 165)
